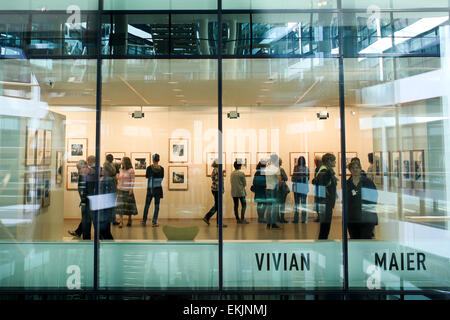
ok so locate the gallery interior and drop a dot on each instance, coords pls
(273, 90)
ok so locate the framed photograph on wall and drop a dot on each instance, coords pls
(40, 147)
(178, 150)
(58, 167)
(348, 157)
(140, 162)
(263, 156)
(293, 160)
(72, 177)
(178, 177)
(118, 157)
(46, 188)
(406, 169)
(419, 169)
(210, 157)
(394, 170)
(30, 192)
(77, 149)
(378, 167)
(244, 159)
(30, 149)
(40, 187)
(47, 147)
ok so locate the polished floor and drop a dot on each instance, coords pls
(247, 232)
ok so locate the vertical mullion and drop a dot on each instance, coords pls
(170, 35)
(97, 141)
(343, 147)
(219, 124)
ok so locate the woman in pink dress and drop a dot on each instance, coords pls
(126, 203)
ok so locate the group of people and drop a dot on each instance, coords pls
(270, 190)
(117, 180)
(269, 186)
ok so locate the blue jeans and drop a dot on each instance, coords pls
(148, 201)
(272, 206)
(300, 198)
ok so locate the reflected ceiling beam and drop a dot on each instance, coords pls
(21, 84)
(307, 91)
(133, 89)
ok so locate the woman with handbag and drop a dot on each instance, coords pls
(283, 191)
(259, 188)
(362, 197)
(126, 203)
(300, 187)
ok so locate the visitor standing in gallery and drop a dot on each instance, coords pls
(89, 178)
(300, 187)
(155, 176)
(273, 180)
(283, 191)
(371, 168)
(126, 203)
(238, 193)
(326, 182)
(82, 171)
(215, 193)
(107, 187)
(362, 197)
(317, 163)
(259, 188)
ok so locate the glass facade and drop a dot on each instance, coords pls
(225, 146)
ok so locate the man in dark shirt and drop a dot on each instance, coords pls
(326, 183)
(155, 176)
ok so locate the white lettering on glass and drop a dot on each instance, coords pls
(74, 280)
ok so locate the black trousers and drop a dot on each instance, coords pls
(236, 207)
(360, 230)
(215, 207)
(325, 213)
(86, 221)
(261, 209)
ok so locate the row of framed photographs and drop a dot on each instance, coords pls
(77, 150)
(177, 177)
(37, 190)
(37, 184)
(38, 149)
(404, 169)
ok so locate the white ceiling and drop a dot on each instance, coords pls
(194, 82)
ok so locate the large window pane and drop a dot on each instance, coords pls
(40, 147)
(135, 34)
(280, 34)
(401, 204)
(284, 4)
(178, 99)
(388, 33)
(42, 5)
(160, 5)
(47, 34)
(389, 4)
(278, 115)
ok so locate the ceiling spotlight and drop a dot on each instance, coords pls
(353, 113)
